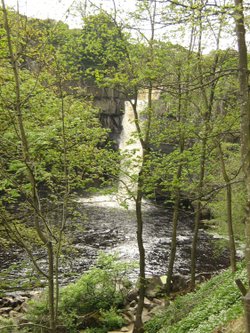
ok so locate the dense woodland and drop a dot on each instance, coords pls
(193, 135)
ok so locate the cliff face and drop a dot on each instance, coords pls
(111, 105)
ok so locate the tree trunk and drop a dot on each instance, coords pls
(245, 135)
(138, 326)
(173, 240)
(230, 228)
(194, 243)
(232, 248)
(51, 288)
(198, 204)
(177, 190)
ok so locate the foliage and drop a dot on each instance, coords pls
(4, 323)
(65, 140)
(218, 208)
(213, 303)
(101, 290)
(103, 47)
(111, 319)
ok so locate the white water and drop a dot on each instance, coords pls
(112, 201)
(131, 152)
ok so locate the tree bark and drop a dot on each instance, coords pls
(232, 248)
(173, 238)
(138, 326)
(208, 99)
(245, 135)
(177, 194)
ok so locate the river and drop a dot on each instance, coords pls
(105, 226)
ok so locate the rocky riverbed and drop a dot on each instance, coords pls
(105, 226)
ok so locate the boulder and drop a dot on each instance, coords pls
(145, 315)
(5, 310)
(133, 304)
(179, 283)
(148, 304)
(132, 296)
(154, 287)
(128, 316)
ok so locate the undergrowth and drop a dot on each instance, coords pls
(92, 302)
(214, 303)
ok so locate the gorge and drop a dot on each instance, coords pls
(105, 225)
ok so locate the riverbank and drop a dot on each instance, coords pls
(214, 307)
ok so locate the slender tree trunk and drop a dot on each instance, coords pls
(51, 287)
(138, 326)
(245, 135)
(232, 248)
(196, 230)
(230, 228)
(177, 194)
(208, 99)
(173, 238)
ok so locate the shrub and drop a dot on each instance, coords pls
(111, 319)
(101, 290)
(102, 287)
(6, 325)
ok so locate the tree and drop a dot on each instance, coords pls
(51, 144)
(245, 133)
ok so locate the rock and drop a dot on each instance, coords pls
(24, 308)
(133, 304)
(35, 294)
(5, 310)
(203, 276)
(132, 310)
(132, 295)
(128, 316)
(179, 283)
(145, 315)
(124, 329)
(148, 304)
(18, 308)
(154, 286)
(14, 314)
(158, 301)
(5, 315)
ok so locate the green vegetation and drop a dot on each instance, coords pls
(92, 301)
(191, 118)
(213, 304)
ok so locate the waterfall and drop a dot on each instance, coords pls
(131, 149)
(131, 152)
(131, 158)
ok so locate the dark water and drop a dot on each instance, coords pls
(106, 227)
(114, 230)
